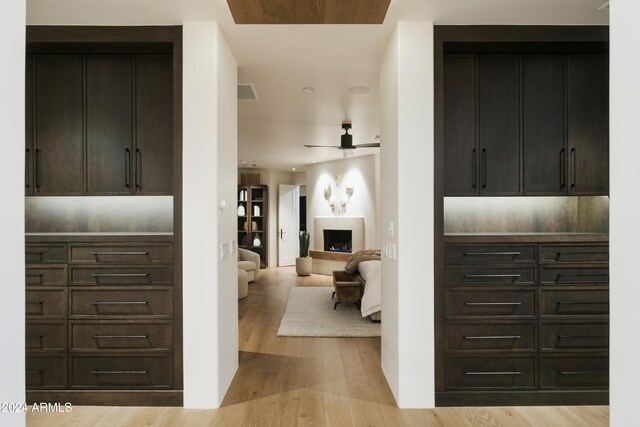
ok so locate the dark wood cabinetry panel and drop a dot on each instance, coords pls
(544, 153)
(28, 127)
(109, 113)
(588, 124)
(574, 372)
(499, 124)
(491, 372)
(154, 126)
(58, 156)
(116, 372)
(46, 372)
(460, 150)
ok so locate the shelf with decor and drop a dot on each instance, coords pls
(253, 220)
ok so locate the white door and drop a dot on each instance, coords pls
(288, 224)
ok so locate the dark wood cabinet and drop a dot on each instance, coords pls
(253, 220)
(28, 127)
(588, 124)
(109, 114)
(544, 151)
(58, 154)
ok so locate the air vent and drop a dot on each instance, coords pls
(247, 91)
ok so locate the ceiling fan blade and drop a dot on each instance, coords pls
(321, 146)
(370, 144)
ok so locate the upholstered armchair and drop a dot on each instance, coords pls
(249, 262)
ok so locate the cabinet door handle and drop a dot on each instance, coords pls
(38, 173)
(120, 253)
(120, 302)
(26, 168)
(120, 336)
(138, 169)
(573, 167)
(119, 372)
(474, 164)
(127, 161)
(120, 275)
(493, 373)
(489, 276)
(491, 253)
(562, 169)
(495, 337)
(491, 303)
(484, 168)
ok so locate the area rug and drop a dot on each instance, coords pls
(310, 313)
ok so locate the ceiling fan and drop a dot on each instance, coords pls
(346, 142)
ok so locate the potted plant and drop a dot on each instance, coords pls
(303, 263)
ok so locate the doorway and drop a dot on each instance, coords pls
(288, 224)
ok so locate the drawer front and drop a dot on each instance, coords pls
(52, 275)
(489, 254)
(489, 276)
(147, 275)
(40, 336)
(489, 302)
(143, 253)
(574, 372)
(574, 254)
(563, 336)
(126, 372)
(574, 276)
(121, 336)
(490, 337)
(490, 373)
(53, 253)
(121, 302)
(46, 303)
(582, 302)
(46, 372)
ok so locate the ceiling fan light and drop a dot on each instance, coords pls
(347, 152)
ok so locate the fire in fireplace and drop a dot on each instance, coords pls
(337, 240)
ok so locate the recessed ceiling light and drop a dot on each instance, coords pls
(359, 90)
(313, 161)
(308, 89)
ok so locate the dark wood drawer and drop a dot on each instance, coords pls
(121, 336)
(489, 276)
(572, 336)
(463, 302)
(480, 336)
(143, 275)
(121, 372)
(43, 302)
(46, 372)
(574, 372)
(118, 302)
(583, 302)
(135, 253)
(53, 253)
(574, 254)
(490, 372)
(46, 336)
(489, 254)
(51, 275)
(574, 276)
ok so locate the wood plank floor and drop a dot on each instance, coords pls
(294, 381)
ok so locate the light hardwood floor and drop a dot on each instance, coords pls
(294, 381)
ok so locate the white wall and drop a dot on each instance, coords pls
(406, 169)
(359, 171)
(624, 226)
(209, 157)
(12, 46)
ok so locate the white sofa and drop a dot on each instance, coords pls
(249, 262)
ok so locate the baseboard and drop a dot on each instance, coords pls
(522, 398)
(108, 398)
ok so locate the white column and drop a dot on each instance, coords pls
(625, 228)
(210, 307)
(406, 165)
(12, 46)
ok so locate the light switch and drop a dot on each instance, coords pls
(390, 229)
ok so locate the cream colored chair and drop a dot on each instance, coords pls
(249, 262)
(243, 284)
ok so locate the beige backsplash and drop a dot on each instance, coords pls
(575, 214)
(99, 214)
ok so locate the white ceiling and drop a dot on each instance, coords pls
(282, 59)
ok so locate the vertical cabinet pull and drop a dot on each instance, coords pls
(38, 177)
(562, 169)
(138, 169)
(484, 168)
(127, 161)
(474, 163)
(573, 167)
(26, 168)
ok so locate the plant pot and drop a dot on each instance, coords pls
(303, 266)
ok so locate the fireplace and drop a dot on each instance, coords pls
(337, 240)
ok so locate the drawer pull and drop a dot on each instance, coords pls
(120, 372)
(35, 302)
(34, 372)
(581, 372)
(119, 302)
(120, 336)
(34, 275)
(120, 275)
(582, 303)
(582, 336)
(34, 252)
(488, 276)
(495, 337)
(119, 253)
(34, 337)
(492, 253)
(580, 253)
(492, 373)
(492, 303)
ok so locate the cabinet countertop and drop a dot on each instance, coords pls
(517, 237)
(98, 237)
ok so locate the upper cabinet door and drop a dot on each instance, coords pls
(28, 127)
(154, 125)
(543, 125)
(460, 151)
(588, 124)
(109, 121)
(499, 125)
(58, 156)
